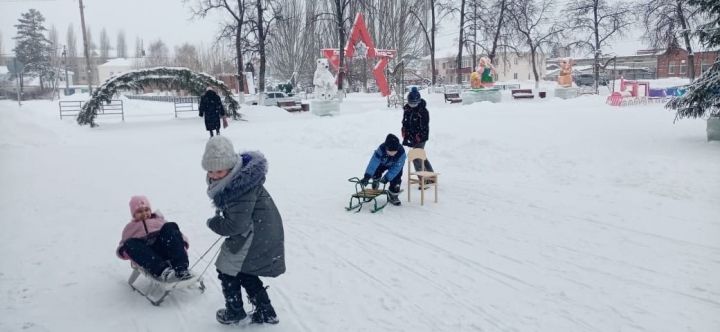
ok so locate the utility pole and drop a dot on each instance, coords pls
(85, 46)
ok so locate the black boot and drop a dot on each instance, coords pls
(393, 197)
(229, 316)
(264, 312)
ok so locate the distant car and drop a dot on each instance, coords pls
(589, 80)
(272, 98)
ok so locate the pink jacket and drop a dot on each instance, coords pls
(136, 229)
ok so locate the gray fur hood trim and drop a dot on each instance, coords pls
(251, 173)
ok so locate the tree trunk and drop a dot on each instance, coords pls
(533, 51)
(686, 38)
(596, 68)
(460, 43)
(261, 48)
(432, 42)
(493, 50)
(341, 31)
(239, 61)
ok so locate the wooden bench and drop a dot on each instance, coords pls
(522, 93)
(290, 106)
(452, 98)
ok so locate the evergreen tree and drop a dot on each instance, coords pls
(703, 96)
(32, 47)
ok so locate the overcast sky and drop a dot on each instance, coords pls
(171, 21)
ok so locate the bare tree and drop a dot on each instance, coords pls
(437, 11)
(121, 46)
(139, 48)
(598, 22)
(290, 38)
(71, 42)
(666, 21)
(158, 54)
(54, 44)
(535, 27)
(187, 56)
(2, 51)
(104, 45)
(237, 11)
(260, 22)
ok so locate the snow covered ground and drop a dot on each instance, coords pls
(553, 215)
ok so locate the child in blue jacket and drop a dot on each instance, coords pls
(389, 158)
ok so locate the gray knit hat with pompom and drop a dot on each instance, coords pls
(219, 154)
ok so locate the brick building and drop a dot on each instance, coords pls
(673, 63)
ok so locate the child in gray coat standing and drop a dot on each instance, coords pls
(247, 216)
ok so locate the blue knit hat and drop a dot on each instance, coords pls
(413, 97)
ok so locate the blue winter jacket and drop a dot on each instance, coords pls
(394, 164)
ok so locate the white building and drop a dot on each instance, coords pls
(114, 67)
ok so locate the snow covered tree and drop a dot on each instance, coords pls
(703, 95)
(172, 78)
(32, 47)
(1, 48)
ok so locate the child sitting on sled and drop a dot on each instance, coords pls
(154, 244)
(389, 158)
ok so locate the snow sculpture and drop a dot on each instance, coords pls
(325, 90)
(565, 76)
(324, 81)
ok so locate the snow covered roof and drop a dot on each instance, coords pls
(118, 62)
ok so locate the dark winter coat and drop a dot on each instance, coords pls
(247, 215)
(415, 124)
(212, 109)
(380, 157)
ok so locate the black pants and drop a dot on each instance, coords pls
(216, 131)
(153, 254)
(417, 163)
(231, 290)
(394, 182)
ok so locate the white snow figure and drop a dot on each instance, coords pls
(324, 81)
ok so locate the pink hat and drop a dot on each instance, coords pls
(137, 202)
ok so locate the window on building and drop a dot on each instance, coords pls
(514, 76)
(677, 68)
(671, 68)
(444, 65)
(516, 60)
(466, 63)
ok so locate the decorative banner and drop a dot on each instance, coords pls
(361, 42)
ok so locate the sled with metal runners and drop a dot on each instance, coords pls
(367, 194)
(163, 288)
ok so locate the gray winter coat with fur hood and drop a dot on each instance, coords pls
(247, 215)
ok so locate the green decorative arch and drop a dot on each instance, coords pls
(172, 78)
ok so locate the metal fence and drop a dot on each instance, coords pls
(73, 108)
